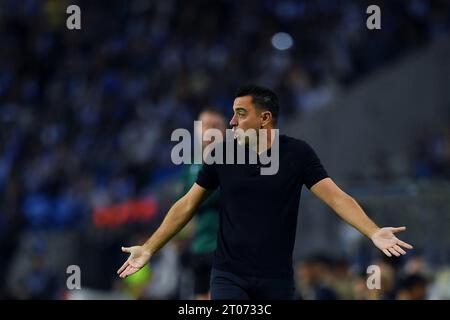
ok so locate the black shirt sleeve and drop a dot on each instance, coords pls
(313, 170)
(208, 177)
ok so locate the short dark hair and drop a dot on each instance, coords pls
(263, 98)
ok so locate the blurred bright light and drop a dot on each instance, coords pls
(282, 41)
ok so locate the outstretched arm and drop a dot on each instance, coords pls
(177, 217)
(350, 211)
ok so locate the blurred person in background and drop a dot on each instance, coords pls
(388, 278)
(204, 226)
(389, 275)
(165, 276)
(342, 279)
(314, 279)
(193, 247)
(360, 289)
(440, 287)
(416, 264)
(412, 287)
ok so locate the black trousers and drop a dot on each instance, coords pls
(230, 286)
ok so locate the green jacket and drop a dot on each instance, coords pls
(207, 216)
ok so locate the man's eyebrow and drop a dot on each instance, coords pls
(240, 109)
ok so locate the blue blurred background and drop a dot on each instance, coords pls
(86, 117)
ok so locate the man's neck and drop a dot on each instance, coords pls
(265, 141)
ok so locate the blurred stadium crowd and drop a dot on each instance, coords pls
(86, 118)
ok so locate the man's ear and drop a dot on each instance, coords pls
(266, 118)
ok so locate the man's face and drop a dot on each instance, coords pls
(245, 116)
(211, 120)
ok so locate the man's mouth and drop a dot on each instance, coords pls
(235, 136)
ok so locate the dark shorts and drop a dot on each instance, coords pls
(201, 267)
(230, 286)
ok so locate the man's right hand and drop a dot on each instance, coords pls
(137, 259)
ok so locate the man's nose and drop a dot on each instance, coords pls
(233, 122)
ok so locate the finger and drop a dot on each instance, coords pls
(128, 250)
(400, 250)
(386, 252)
(131, 270)
(125, 273)
(404, 244)
(395, 253)
(399, 229)
(123, 267)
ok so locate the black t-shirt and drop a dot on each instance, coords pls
(258, 216)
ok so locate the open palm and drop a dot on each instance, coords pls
(137, 259)
(387, 242)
